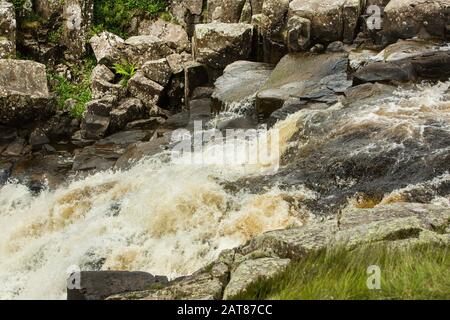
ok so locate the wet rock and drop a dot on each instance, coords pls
(24, 93)
(128, 110)
(158, 71)
(239, 84)
(219, 44)
(148, 91)
(5, 171)
(146, 124)
(104, 153)
(38, 139)
(250, 271)
(238, 123)
(102, 83)
(105, 47)
(7, 30)
(141, 150)
(98, 285)
(96, 119)
(409, 18)
(195, 75)
(202, 93)
(306, 76)
(291, 106)
(173, 34)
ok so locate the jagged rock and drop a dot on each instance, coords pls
(98, 285)
(228, 11)
(306, 76)
(298, 34)
(195, 75)
(239, 84)
(24, 93)
(173, 34)
(102, 83)
(250, 271)
(158, 71)
(105, 47)
(187, 13)
(129, 110)
(15, 148)
(219, 44)
(177, 61)
(146, 124)
(77, 19)
(148, 91)
(409, 18)
(138, 50)
(7, 30)
(96, 119)
(38, 139)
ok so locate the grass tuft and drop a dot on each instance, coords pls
(420, 272)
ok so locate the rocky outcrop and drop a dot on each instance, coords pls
(409, 18)
(7, 30)
(219, 44)
(24, 93)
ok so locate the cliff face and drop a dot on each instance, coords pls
(355, 91)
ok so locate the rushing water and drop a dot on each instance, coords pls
(173, 219)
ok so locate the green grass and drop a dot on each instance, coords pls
(115, 15)
(420, 272)
(79, 89)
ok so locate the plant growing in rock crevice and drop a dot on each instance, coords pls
(125, 71)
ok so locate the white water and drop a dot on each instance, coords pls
(156, 217)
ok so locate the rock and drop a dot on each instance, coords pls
(158, 71)
(15, 148)
(187, 13)
(237, 88)
(304, 76)
(96, 119)
(431, 65)
(102, 85)
(7, 30)
(291, 106)
(298, 34)
(195, 75)
(141, 150)
(24, 93)
(336, 46)
(105, 46)
(129, 110)
(330, 20)
(251, 271)
(77, 18)
(228, 11)
(138, 50)
(202, 93)
(98, 285)
(173, 34)
(409, 18)
(104, 153)
(148, 91)
(177, 61)
(146, 124)
(219, 44)
(38, 139)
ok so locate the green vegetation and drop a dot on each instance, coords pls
(18, 4)
(126, 71)
(78, 90)
(420, 272)
(115, 15)
(55, 36)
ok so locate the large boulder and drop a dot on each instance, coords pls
(228, 11)
(7, 30)
(330, 20)
(105, 47)
(219, 44)
(173, 34)
(409, 18)
(103, 83)
(239, 84)
(304, 76)
(138, 50)
(148, 91)
(24, 93)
